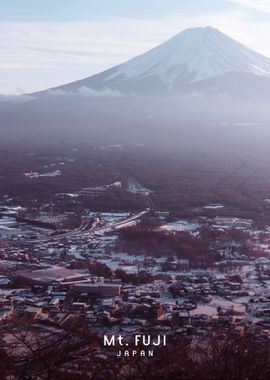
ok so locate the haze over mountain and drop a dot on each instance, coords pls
(189, 61)
(199, 90)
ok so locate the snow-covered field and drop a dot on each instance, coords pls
(55, 173)
(180, 225)
(213, 206)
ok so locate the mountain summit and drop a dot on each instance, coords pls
(192, 56)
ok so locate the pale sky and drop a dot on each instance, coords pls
(52, 42)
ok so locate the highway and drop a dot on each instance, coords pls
(84, 231)
(97, 230)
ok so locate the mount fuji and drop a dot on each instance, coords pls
(200, 59)
(196, 83)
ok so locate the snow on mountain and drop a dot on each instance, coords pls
(197, 53)
(192, 56)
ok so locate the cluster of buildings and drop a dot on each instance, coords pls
(50, 282)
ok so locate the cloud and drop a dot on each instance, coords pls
(88, 92)
(82, 91)
(15, 98)
(57, 92)
(258, 5)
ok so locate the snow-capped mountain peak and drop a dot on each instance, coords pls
(191, 56)
(197, 53)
